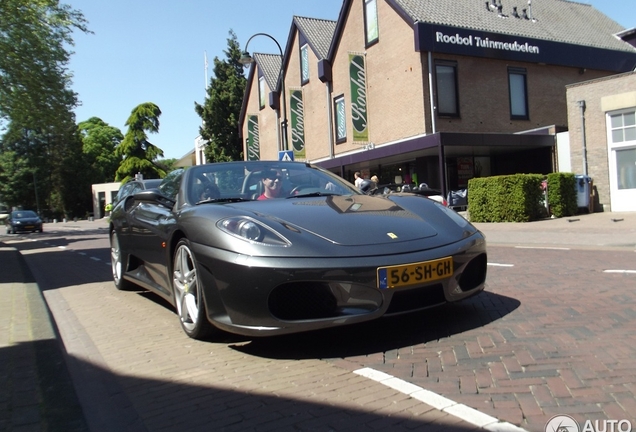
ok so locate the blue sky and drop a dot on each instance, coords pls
(153, 51)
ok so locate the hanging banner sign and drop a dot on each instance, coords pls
(297, 110)
(253, 138)
(359, 112)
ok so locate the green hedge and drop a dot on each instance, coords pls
(510, 198)
(520, 197)
(562, 194)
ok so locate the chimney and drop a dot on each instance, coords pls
(515, 13)
(530, 11)
(524, 14)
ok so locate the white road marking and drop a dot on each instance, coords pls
(439, 402)
(542, 247)
(501, 265)
(620, 271)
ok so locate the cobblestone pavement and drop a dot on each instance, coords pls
(553, 334)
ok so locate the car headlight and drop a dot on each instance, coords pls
(252, 231)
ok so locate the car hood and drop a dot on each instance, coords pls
(27, 220)
(356, 220)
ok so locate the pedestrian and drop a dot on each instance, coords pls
(358, 179)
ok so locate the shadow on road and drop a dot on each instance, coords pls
(385, 334)
(101, 402)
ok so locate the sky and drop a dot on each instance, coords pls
(153, 51)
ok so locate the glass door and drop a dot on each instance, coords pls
(622, 159)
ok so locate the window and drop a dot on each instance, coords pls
(304, 64)
(446, 79)
(518, 94)
(371, 34)
(623, 127)
(170, 184)
(261, 92)
(341, 121)
(626, 168)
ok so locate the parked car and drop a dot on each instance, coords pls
(422, 189)
(23, 220)
(322, 254)
(133, 186)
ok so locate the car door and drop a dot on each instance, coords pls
(150, 224)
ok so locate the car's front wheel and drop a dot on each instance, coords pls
(188, 293)
(118, 263)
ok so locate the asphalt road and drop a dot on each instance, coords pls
(553, 334)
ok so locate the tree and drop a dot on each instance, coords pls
(168, 164)
(222, 107)
(138, 154)
(99, 141)
(41, 148)
(34, 80)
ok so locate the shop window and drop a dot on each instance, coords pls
(517, 84)
(447, 94)
(261, 92)
(371, 32)
(341, 121)
(304, 64)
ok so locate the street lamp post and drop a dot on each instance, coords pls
(246, 59)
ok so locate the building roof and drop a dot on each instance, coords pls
(552, 20)
(318, 32)
(269, 65)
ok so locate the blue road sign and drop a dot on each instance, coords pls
(286, 156)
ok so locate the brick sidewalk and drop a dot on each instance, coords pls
(37, 392)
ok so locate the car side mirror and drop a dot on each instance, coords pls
(154, 196)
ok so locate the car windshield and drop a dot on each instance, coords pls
(260, 180)
(24, 214)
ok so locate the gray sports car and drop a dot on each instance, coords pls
(266, 248)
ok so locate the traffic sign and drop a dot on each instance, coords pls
(286, 156)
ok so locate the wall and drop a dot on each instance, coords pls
(108, 189)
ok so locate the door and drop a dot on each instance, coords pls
(622, 159)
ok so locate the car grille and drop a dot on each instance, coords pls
(306, 300)
(474, 274)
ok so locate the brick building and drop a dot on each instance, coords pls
(429, 91)
(602, 120)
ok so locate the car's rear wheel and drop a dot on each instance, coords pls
(118, 261)
(188, 293)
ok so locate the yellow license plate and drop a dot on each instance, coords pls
(414, 274)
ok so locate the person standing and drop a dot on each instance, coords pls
(358, 179)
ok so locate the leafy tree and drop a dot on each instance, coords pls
(44, 169)
(34, 81)
(41, 148)
(139, 155)
(222, 107)
(99, 141)
(168, 164)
